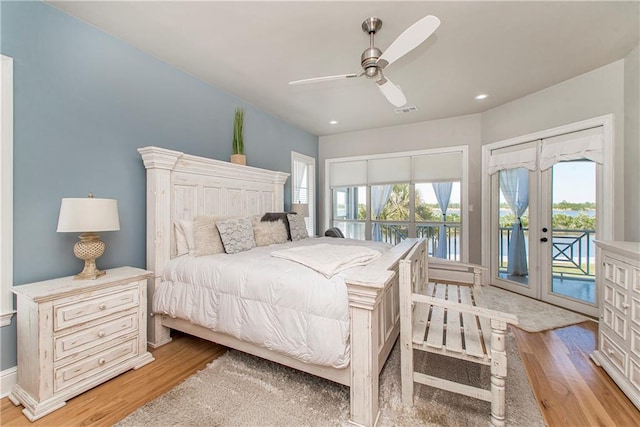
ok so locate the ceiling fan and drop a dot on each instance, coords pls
(373, 61)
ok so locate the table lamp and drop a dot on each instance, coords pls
(301, 209)
(88, 216)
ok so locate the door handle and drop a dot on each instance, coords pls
(544, 239)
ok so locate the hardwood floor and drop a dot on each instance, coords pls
(571, 390)
(114, 400)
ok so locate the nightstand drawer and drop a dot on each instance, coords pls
(94, 336)
(67, 315)
(86, 368)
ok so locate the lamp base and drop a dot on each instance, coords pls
(89, 248)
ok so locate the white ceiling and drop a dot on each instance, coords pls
(253, 49)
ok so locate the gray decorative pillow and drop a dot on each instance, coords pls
(206, 237)
(236, 234)
(298, 227)
(269, 233)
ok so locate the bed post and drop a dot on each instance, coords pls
(159, 163)
(364, 303)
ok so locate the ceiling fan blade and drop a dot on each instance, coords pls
(411, 38)
(392, 92)
(322, 79)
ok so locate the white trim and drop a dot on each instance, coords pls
(8, 379)
(464, 185)
(311, 176)
(604, 177)
(6, 190)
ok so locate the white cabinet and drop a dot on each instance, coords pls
(75, 334)
(619, 329)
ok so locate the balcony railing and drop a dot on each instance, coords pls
(572, 255)
(395, 233)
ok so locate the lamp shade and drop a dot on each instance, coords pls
(88, 215)
(301, 209)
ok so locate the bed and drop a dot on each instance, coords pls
(183, 187)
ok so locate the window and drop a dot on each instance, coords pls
(6, 190)
(303, 172)
(392, 197)
(437, 210)
(350, 211)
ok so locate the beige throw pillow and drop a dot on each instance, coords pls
(206, 236)
(269, 233)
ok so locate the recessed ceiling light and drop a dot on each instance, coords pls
(480, 97)
(333, 122)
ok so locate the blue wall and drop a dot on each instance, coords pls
(83, 103)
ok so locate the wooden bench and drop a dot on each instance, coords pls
(442, 311)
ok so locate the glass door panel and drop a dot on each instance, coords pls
(569, 254)
(512, 237)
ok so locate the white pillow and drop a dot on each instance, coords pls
(298, 227)
(236, 234)
(184, 236)
(269, 233)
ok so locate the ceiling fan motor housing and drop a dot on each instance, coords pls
(369, 61)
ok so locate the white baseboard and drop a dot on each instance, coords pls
(8, 378)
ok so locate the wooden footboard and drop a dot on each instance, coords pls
(375, 325)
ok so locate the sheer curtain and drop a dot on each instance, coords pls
(443, 194)
(514, 184)
(379, 196)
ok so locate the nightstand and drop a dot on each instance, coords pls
(76, 334)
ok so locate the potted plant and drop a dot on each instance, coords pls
(238, 156)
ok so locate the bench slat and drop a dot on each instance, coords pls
(473, 344)
(420, 316)
(436, 324)
(485, 323)
(454, 333)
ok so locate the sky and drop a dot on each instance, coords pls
(574, 182)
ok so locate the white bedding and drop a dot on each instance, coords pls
(328, 259)
(273, 302)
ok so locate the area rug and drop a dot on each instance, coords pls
(534, 316)
(241, 390)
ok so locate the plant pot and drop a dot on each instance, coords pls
(239, 159)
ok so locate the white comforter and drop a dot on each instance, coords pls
(329, 259)
(273, 302)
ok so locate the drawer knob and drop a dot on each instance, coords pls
(102, 306)
(609, 352)
(102, 362)
(101, 334)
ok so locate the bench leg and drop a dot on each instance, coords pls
(498, 372)
(406, 373)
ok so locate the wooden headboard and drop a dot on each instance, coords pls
(182, 186)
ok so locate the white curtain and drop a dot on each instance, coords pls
(443, 194)
(514, 184)
(585, 144)
(379, 196)
(525, 158)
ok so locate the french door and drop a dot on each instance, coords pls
(545, 213)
